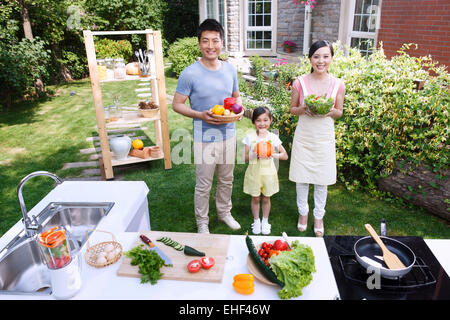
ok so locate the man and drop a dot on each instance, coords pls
(208, 82)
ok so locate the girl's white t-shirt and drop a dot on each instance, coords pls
(252, 138)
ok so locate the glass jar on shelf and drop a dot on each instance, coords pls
(109, 67)
(113, 113)
(101, 65)
(119, 69)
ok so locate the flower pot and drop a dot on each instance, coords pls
(288, 50)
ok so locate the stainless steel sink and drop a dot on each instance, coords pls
(22, 271)
(76, 217)
(21, 267)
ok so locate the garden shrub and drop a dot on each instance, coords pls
(21, 64)
(107, 48)
(385, 119)
(183, 53)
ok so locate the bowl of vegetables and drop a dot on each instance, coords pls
(291, 268)
(319, 105)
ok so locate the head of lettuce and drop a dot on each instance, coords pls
(294, 268)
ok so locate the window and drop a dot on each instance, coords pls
(215, 9)
(364, 25)
(258, 33)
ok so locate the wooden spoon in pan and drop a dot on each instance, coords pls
(391, 260)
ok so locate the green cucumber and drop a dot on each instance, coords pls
(169, 242)
(265, 270)
(189, 251)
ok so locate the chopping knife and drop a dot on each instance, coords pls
(152, 246)
(285, 237)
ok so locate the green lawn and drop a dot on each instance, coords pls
(46, 134)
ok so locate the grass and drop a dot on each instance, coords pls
(45, 134)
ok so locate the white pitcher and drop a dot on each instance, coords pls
(120, 145)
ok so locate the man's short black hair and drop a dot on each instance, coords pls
(210, 25)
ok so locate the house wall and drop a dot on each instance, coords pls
(425, 23)
(325, 20)
(290, 23)
(233, 11)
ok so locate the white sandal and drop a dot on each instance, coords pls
(302, 227)
(319, 232)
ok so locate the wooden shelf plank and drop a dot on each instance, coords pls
(131, 160)
(131, 119)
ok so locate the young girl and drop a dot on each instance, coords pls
(313, 156)
(261, 179)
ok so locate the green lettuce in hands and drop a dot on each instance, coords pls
(319, 104)
(294, 268)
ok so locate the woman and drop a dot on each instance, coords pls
(313, 159)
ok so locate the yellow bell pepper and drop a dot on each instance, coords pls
(218, 109)
(244, 283)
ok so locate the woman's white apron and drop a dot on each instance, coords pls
(313, 157)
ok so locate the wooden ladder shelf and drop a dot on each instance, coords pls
(158, 90)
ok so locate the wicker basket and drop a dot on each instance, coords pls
(228, 119)
(91, 252)
(149, 113)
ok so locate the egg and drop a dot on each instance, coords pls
(101, 254)
(109, 247)
(117, 251)
(101, 260)
(111, 255)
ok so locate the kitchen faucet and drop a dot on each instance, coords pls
(31, 226)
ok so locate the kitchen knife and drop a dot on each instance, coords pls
(152, 246)
(285, 237)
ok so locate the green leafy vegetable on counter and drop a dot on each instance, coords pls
(149, 263)
(294, 268)
(319, 104)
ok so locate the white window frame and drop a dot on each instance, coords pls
(350, 16)
(203, 14)
(272, 28)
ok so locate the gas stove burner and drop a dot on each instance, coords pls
(427, 280)
(419, 276)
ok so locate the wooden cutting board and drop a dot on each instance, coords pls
(213, 245)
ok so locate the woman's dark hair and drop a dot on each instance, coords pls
(259, 111)
(210, 25)
(317, 45)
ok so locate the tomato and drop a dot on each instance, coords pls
(194, 266)
(280, 245)
(261, 251)
(207, 262)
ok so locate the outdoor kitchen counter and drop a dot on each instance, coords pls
(104, 283)
(129, 213)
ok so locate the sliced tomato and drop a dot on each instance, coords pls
(207, 262)
(194, 266)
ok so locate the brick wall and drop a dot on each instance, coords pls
(424, 22)
(290, 21)
(233, 24)
(325, 20)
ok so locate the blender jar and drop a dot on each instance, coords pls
(64, 264)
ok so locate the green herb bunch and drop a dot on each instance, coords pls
(149, 262)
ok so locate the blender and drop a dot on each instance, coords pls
(64, 265)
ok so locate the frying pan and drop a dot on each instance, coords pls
(368, 253)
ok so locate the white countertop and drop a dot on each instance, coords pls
(111, 286)
(126, 195)
(104, 284)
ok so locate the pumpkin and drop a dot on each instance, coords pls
(264, 149)
(132, 68)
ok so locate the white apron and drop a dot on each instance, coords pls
(313, 157)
